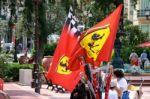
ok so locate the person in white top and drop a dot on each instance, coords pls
(112, 92)
(122, 84)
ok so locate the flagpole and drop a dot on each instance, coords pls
(100, 84)
(108, 80)
(117, 62)
(89, 75)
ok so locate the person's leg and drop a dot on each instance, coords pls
(142, 65)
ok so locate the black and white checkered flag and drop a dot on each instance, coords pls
(72, 23)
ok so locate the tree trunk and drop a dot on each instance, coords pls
(41, 51)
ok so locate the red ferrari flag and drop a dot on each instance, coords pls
(58, 71)
(97, 42)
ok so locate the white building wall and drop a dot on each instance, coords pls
(144, 4)
(141, 21)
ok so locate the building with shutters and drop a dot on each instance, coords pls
(138, 14)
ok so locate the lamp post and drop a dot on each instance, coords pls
(117, 62)
(36, 74)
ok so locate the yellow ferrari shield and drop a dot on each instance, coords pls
(94, 41)
(62, 66)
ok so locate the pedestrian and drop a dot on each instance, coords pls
(19, 48)
(133, 58)
(29, 46)
(112, 92)
(143, 58)
(122, 84)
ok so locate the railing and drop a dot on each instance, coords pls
(142, 13)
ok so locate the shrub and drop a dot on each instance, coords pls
(49, 49)
(126, 51)
(12, 72)
(147, 67)
(4, 59)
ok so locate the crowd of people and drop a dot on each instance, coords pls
(138, 60)
(119, 87)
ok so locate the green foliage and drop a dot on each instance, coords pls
(125, 53)
(97, 9)
(66, 4)
(33, 52)
(50, 16)
(49, 49)
(133, 37)
(13, 14)
(56, 17)
(4, 59)
(43, 26)
(3, 25)
(147, 67)
(28, 11)
(28, 19)
(12, 72)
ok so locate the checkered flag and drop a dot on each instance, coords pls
(72, 23)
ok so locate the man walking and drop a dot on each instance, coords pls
(143, 58)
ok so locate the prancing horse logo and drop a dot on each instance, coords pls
(94, 40)
(62, 66)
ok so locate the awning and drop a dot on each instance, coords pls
(146, 44)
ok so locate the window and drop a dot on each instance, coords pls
(144, 4)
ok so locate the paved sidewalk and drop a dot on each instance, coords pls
(146, 92)
(16, 91)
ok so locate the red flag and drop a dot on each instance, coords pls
(108, 80)
(97, 42)
(58, 72)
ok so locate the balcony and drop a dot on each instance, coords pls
(143, 15)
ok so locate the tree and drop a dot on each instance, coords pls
(52, 13)
(51, 17)
(56, 16)
(133, 37)
(3, 30)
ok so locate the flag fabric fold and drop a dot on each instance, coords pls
(58, 72)
(97, 42)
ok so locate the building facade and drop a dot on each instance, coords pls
(139, 14)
